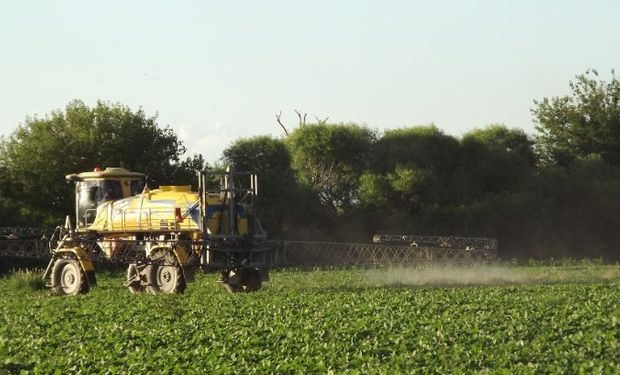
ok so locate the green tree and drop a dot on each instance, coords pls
(42, 151)
(330, 158)
(587, 122)
(494, 158)
(279, 197)
(425, 147)
(412, 167)
(9, 212)
(424, 181)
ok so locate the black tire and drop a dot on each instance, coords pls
(136, 286)
(68, 278)
(252, 280)
(151, 279)
(233, 288)
(166, 278)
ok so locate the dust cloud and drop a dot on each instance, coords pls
(453, 275)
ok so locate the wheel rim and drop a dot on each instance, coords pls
(167, 278)
(69, 278)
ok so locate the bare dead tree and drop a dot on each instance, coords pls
(321, 122)
(302, 121)
(278, 118)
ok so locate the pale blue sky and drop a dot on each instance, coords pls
(219, 70)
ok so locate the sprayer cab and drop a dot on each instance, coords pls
(99, 186)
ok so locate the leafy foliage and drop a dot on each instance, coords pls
(554, 194)
(278, 188)
(320, 321)
(411, 168)
(582, 124)
(495, 159)
(330, 159)
(43, 150)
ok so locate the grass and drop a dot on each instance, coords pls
(558, 319)
(24, 280)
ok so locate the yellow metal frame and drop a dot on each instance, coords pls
(80, 255)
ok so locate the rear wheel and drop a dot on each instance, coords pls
(68, 278)
(252, 280)
(232, 288)
(242, 280)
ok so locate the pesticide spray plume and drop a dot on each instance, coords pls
(480, 275)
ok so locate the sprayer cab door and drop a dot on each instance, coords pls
(90, 194)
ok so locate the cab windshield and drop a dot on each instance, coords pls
(136, 187)
(90, 194)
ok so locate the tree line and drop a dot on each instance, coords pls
(552, 194)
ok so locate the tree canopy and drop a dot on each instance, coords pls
(555, 193)
(495, 158)
(330, 158)
(585, 123)
(38, 155)
(410, 167)
(277, 185)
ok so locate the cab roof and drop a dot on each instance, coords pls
(108, 172)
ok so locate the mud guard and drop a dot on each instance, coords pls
(80, 254)
(183, 258)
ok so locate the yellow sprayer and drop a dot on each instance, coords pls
(162, 235)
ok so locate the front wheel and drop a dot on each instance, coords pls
(68, 278)
(134, 284)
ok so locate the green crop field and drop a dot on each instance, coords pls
(504, 319)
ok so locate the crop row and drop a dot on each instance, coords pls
(319, 321)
